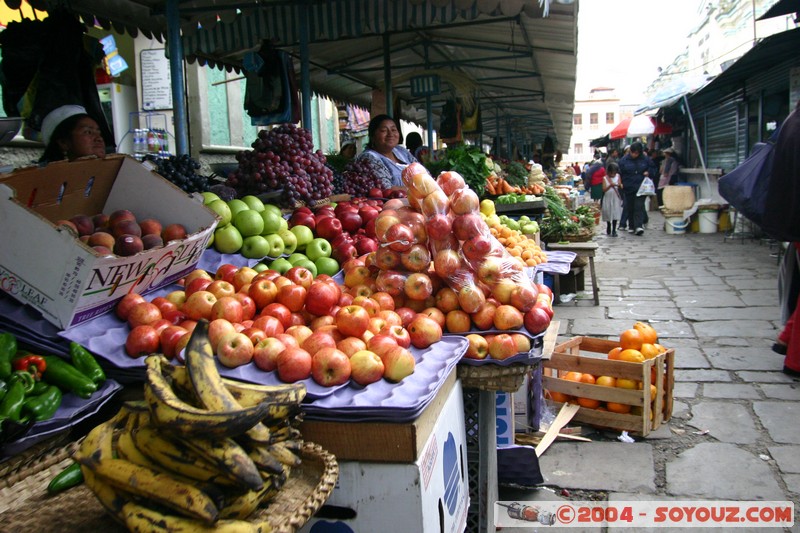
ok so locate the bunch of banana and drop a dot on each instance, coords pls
(200, 453)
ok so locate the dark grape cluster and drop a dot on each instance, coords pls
(361, 175)
(283, 158)
(338, 181)
(180, 170)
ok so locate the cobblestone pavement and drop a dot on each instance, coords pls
(734, 434)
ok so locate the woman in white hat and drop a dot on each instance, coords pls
(68, 132)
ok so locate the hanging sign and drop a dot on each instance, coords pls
(427, 85)
(156, 80)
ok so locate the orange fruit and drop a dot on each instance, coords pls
(648, 332)
(660, 348)
(649, 351)
(653, 392)
(587, 378)
(589, 403)
(614, 353)
(622, 408)
(623, 383)
(606, 381)
(572, 376)
(559, 396)
(631, 339)
(631, 355)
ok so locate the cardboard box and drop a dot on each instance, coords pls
(429, 494)
(48, 268)
(589, 355)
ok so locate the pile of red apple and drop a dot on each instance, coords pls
(120, 233)
(292, 324)
(500, 346)
(349, 227)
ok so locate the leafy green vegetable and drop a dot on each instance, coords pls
(469, 161)
(516, 174)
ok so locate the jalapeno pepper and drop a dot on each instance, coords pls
(67, 377)
(33, 364)
(86, 363)
(11, 406)
(3, 389)
(70, 477)
(39, 387)
(8, 348)
(45, 405)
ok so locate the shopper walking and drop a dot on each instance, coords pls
(668, 173)
(781, 220)
(634, 167)
(612, 199)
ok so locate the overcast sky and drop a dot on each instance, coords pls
(621, 43)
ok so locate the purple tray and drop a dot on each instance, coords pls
(558, 262)
(211, 260)
(395, 401)
(72, 411)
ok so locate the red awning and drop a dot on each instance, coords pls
(639, 125)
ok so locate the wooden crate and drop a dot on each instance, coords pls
(589, 355)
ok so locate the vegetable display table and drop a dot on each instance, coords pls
(581, 249)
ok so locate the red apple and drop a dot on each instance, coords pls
(126, 303)
(436, 314)
(287, 340)
(330, 367)
(302, 218)
(352, 320)
(265, 353)
(293, 364)
(483, 318)
(196, 285)
(523, 297)
(317, 341)
(447, 300)
(446, 263)
(300, 276)
(416, 259)
(399, 237)
(470, 298)
(143, 314)
(254, 334)
(398, 364)
(536, 320)
(365, 245)
(248, 305)
(279, 311)
(321, 298)
(387, 219)
(381, 344)
(424, 331)
(292, 296)
(242, 277)
(199, 304)
(351, 345)
(545, 306)
(220, 288)
(328, 227)
(366, 367)
(142, 340)
(502, 346)
(235, 350)
(168, 339)
(418, 286)
(457, 321)
(406, 315)
(351, 221)
(464, 201)
(450, 182)
(386, 258)
(263, 292)
(477, 247)
(467, 226)
(390, 281)
(507, 317)
(439, 226)
(218, 329)
(478, 347)
(229, 308)
(399, 334)
(435, 203)
(270, 325)
(522, 341)
(384, 299)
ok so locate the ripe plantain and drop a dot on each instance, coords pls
(158, 487)
(141, 519)
(228, 457)
(207, 383)
(283, 454)
(243, 505)
(169, 411)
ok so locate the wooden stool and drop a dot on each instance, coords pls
(582, 249)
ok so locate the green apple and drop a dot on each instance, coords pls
(253, 202)
(289, 241)
(255, 247)
(307, 263)
(295, 257)
(284, 224)
(512, 224)
(210, 241)
(227, 239)
(327, 265)
(237, 205)
(248, 222)
(304, 236)
(524, 218)
(209, 197)
(260, 267)
(318, 247)
(275, 245)
(280, 265)
(221, 208)
(272, 222)
(273, 209)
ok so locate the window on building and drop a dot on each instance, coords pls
(593, 118)
(577, 119)
(610, 118)
(578, 149)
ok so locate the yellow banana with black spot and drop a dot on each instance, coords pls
(229, 458)
(141, 519)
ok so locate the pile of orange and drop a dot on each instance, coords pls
(519, 245)
(636, 345)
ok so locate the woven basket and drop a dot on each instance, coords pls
(26, 506)
(493, 377)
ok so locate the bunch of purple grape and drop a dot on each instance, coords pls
(360, 176)
(283, 158)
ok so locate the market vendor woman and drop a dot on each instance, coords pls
(68, 132)
(384, 148)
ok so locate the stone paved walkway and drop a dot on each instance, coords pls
(735, 432)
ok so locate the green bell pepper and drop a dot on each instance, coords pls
(39, 387)
(8, 349)
(86, 363)
(3, 389)
(11, 406)
(67, 377)
(45, 405)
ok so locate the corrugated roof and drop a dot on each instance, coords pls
(520, 55)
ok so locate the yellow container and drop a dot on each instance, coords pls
(724, 221)
(694, 227)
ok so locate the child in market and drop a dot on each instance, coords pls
(612, 199)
